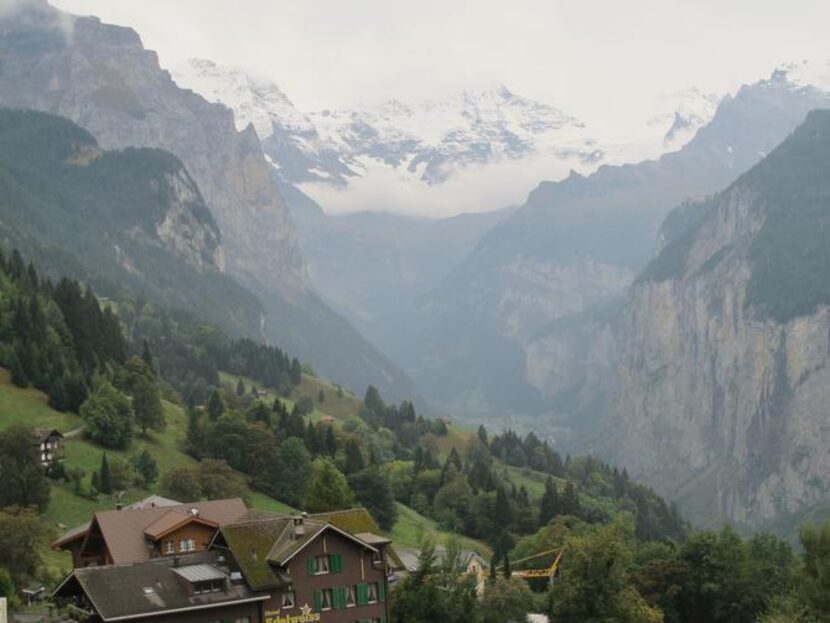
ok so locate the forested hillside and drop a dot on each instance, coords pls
(160, 403)
(121, 220)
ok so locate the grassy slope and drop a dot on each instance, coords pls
(66, 509)
(339, 407)
(411, 529)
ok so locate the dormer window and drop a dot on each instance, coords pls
(208, 586)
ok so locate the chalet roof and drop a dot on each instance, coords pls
(250, 542)
(78, 532)
(153, 587)
(124, 530)
(372, 539)
(42, 435)
(262, 547)
(152, 502)
(175, 518)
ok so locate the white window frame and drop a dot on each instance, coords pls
(372, 587)
(289, 600)
(187, 545)
(323, 565)
(351, 596)
(169, 546)
(328, 596)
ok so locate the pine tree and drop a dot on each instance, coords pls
(549, 505)
(354, 456)
(57, 395)
(105, 476)
(18, 374)
(215, 406)
(195, 439)
(146, 466)
(570, 500)
(146, 355)
(328, 489)
(240, 388)
(146, 399)
(330, 441)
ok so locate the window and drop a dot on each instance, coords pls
(351, 597)
(288, 599)
(327, 563)
(372, 594)
(187, 545)
(327, 599)
(209, 586)
(169, 547)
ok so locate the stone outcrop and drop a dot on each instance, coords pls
(718, 402)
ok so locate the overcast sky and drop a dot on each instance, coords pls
(604, 61)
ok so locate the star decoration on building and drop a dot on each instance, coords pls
(306, 610)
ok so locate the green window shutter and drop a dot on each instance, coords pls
(381, 591)
(336, 598)
(318, 600)
(337, 563)
(311, 565)
(362, 594)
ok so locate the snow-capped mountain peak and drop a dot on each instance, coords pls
(393, 150)
(253, 101)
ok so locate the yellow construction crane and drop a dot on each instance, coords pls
(545, 572)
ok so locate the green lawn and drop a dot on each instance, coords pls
(29, 406)
(66, 509)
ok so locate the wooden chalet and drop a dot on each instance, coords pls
(244, 566)
(49, 444)
(138, 534)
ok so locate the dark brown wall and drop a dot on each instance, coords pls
(353, 573)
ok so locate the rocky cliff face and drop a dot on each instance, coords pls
(101, 77)
(575, 244)
(723, 382)
(187, 228)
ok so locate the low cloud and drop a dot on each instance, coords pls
(480, 188)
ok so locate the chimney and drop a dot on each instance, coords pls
(194, 512)
(299, 525)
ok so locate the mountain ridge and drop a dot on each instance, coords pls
(101, 77)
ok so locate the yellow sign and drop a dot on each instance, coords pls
(306, 616)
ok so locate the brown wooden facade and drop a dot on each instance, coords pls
(333, 579)
(274, 570)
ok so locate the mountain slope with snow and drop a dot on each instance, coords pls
(474, 151)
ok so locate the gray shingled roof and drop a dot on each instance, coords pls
(153, 587)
